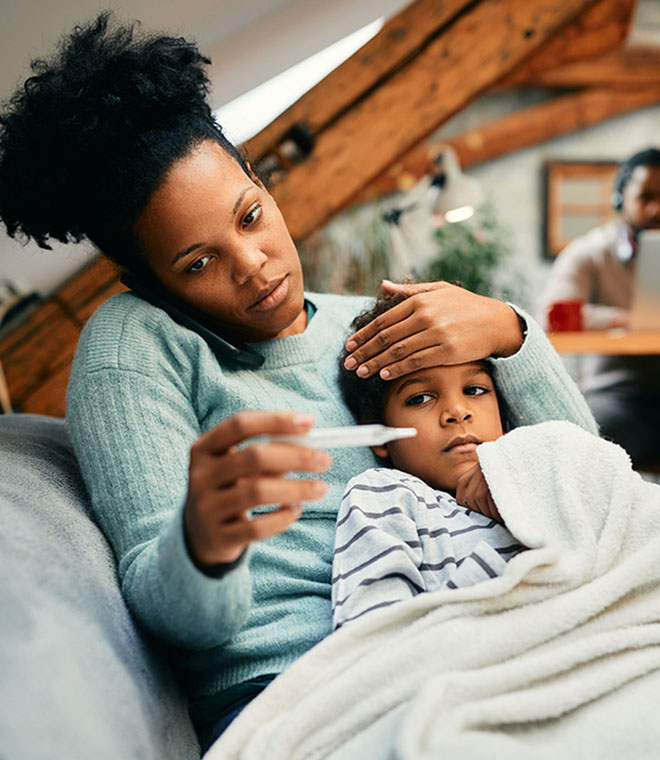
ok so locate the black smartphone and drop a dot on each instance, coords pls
(222, 348)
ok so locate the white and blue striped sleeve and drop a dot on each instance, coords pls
(378, 553)
(481, 564)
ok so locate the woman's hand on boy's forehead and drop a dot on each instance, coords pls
(438, 323)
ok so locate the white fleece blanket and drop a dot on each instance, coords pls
(558, 658)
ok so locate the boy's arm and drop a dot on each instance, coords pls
(377, 552)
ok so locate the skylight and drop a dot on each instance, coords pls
(246, 115)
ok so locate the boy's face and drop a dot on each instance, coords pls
(454, 408)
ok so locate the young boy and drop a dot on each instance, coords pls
(400, 530)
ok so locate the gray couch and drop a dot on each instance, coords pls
(78, 680)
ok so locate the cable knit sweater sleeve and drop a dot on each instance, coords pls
(133, 420)
(536, 386)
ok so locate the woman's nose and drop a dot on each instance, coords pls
(247, 264)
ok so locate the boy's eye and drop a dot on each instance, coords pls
(418, 399)
(475, 390)
(252, 216)
(198, 265)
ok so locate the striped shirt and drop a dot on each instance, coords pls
(396, 537)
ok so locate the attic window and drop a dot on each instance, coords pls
(248, 114)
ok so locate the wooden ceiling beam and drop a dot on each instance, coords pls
(599, 29)
(631, 67)
(401, 38)
(522, 129)
(484, 43)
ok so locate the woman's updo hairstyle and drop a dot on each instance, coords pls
(88, 139)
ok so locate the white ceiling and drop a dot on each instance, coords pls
(249, 41)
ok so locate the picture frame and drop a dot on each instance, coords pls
(577, 199)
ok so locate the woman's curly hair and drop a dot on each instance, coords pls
(90, 136)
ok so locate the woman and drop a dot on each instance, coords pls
(113, 142)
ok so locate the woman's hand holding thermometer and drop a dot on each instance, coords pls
(228, 481)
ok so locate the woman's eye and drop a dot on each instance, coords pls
(199, 264)
(252, 216)
(418, 399)
(476, 390)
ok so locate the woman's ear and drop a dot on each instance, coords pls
(381, 451)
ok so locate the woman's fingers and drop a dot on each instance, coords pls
(408, 356)
(391, 344)
(245, 425)
(228, 504)
(381, 323)
(225, 482)
(224, 543)
(396, 313)
(456, 325)
(422, 321)
(261, 459)
(217, 524)
(410, 288)
(263, 526)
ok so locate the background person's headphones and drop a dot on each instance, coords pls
(647, 157)
(622, 177)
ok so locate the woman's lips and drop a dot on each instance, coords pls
(273, 298)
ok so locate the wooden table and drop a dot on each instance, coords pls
(606, 342)
(610, 342)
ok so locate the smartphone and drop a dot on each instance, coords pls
(222, 348)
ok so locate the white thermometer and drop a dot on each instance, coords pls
(350, 435)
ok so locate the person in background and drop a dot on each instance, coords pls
(598, 269)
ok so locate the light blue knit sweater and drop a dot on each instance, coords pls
(143, 388)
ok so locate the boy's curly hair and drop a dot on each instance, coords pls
(365, 397)
(89, 137)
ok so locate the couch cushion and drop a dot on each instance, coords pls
(77, 680)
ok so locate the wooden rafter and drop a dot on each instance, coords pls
(400, 39)
(631, 67)
(598, 30)
(522, 129)
(482, 44)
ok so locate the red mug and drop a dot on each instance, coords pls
(565, 315)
